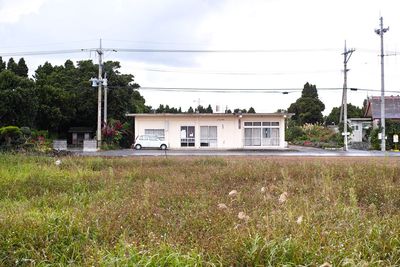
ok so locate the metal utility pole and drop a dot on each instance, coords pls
(100, 53)
(347, 54)
(380, 32)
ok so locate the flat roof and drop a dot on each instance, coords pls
(288, 115)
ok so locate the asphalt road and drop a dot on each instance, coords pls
(292, 151)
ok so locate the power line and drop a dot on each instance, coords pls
(255, 73)
(149, 50)
(249, 90)
(38, 53)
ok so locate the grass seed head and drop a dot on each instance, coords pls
(242, 216)
(283, 197)
(299, 219)
(222, 206)
(233, 193)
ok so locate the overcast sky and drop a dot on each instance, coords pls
(306, 38)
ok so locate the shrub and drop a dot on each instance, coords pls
(375, 142)
(10, 137)
(294, 133)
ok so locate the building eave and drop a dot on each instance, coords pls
(211, 115)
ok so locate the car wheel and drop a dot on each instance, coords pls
(163, 147)
(138, 147)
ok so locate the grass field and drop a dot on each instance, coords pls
(184, 211)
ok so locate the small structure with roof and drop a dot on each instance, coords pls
(215, 130)
(76, 135)
(373, 108)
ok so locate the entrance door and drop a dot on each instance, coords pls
(187, 136)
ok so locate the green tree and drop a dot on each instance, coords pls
(238, 110)
(190, 110)
(200, 109)
(251, 110)
(22, 68)
(209, 109)
(352, 112)
(308, 108)
(12, 66)
(18, 101)
(2, 65)
(74, 100)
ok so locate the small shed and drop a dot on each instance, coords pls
(359, 128)
(78, 134)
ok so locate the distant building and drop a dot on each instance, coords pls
(217, 131)
(78, 134)
(359, 128)
(373, 108)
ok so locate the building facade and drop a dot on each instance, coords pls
(215, 131)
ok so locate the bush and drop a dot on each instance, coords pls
(375, 142)
(10, 137)
(294, 133)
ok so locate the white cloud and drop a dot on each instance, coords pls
(11, 11)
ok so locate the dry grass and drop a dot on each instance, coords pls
(145, 211)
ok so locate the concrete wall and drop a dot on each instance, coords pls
(229, 134)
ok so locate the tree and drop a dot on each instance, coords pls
(238, 110)
(2, 65)
(22, 68)
(190, 110)
(352, 112)
(209, 109)
(308, 108)
(251, 110)
(200, 109)
(18, 101)
(160, 109)
(12, 66)
(72, 101)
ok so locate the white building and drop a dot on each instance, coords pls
(359, 128)
(217, 131)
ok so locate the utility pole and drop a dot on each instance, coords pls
(100, 53)
(347, 54)
(380, 32)
(105, 84)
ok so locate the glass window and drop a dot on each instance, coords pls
(266, 123)
(275, 123)
(256, 123)
(187, 136)
(248, 123)
(208, 136)
(157, 132)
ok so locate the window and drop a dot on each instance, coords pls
(187, 136)
(261, 133)
(157, 132)
(208, 136)
(252, 137)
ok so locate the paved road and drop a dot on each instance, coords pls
(291, 151)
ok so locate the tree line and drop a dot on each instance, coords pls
(59, 97)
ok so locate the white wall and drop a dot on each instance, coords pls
(229, 135)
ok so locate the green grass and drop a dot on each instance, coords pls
(164, 212)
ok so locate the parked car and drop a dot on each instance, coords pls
(150, 141)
